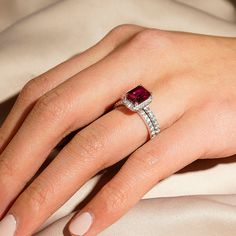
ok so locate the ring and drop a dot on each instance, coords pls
(138, 100)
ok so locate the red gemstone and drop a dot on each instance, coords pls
(138, 95)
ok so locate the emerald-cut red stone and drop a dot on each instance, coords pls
(138, 95)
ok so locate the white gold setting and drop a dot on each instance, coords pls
(144, 111)
(135, 107)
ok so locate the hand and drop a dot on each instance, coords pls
(192, 79)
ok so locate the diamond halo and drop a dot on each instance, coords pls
(139, 102)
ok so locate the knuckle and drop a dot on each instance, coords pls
(147, 34)
(50, 105)
(149, 164)
(8, 174)
(113, 198)
(90, 143)
(173, 83)
(28, 92)
(6, 168)
(145, 160)
(151, 39)
(37, 196)
(120, 28)
(121, 34)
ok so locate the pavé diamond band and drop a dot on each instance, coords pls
(137, 100)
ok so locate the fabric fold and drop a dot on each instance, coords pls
(198, 200)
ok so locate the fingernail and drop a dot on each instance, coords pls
(81, 224)
(8, 226)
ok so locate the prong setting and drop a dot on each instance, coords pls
(138, 100)
(136, 106)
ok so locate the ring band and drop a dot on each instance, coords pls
(138, 100)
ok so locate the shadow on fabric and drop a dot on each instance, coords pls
(233, 2)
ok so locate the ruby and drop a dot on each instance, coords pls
(138, 95)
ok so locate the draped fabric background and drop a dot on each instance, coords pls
(36, 35)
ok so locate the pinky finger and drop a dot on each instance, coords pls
(169, 152)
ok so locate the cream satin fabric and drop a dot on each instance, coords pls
(36, 35)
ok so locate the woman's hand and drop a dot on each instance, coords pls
(192, 79)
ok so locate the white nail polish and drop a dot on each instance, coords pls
(8, 225)
(81, 224)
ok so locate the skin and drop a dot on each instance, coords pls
(192, 79)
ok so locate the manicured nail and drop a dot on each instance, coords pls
(81, 224)
(8, 226)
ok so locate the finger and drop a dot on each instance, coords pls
(51, 119)
(101, 144)
(173, 149)
(37, 87)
